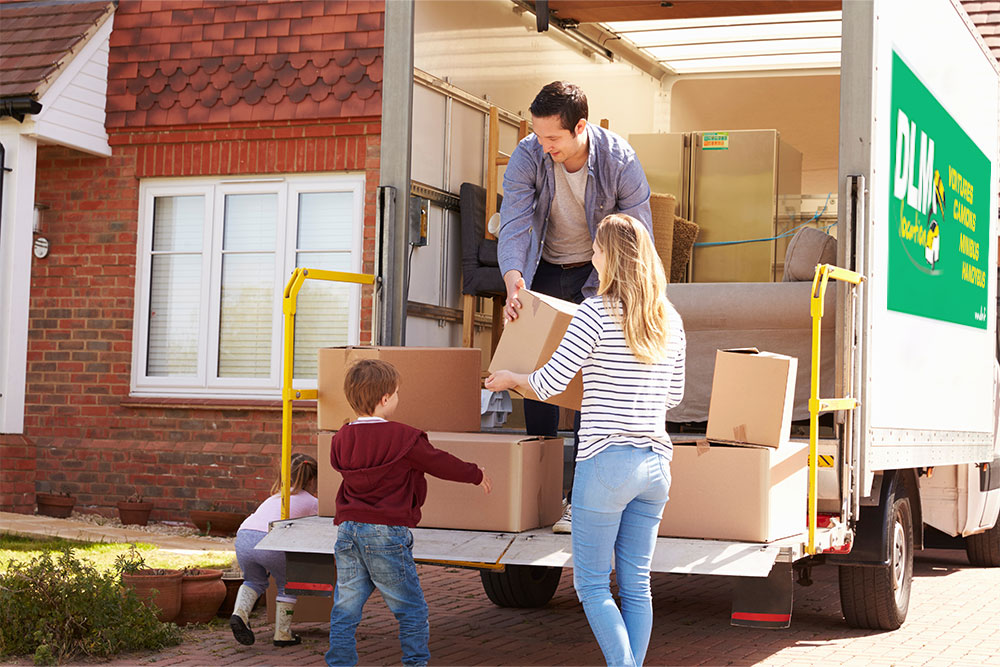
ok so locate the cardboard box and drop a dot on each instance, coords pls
(439, 387)
(528, 342)
(527, 477)
(752, 396)
(729, 492)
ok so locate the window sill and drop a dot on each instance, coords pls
(194, 403)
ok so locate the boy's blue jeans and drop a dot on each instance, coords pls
(371, 556)
(618, 500)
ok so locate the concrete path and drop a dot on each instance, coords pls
(28, 524)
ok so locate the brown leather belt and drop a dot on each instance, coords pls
(574, 265)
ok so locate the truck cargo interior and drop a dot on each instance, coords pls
(766, 85)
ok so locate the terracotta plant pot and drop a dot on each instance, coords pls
(202, 592)
(220, 524)
(158, 588)
(229, 602)
(134, 514)
(51, 504)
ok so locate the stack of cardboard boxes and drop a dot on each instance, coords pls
(746, 480)
(439, 393)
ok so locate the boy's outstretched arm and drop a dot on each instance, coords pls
(428, 459)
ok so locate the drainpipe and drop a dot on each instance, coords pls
(3, 173)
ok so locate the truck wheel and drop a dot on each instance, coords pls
(984, 549)
(521, 585)
(877, 598)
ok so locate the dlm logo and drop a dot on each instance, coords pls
(939, 238)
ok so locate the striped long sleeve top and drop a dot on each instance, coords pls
(625, 401)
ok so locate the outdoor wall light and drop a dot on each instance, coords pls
(41, 245)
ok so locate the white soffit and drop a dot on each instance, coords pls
(809, 40)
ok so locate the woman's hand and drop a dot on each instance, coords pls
(502, 380)
(487, 483)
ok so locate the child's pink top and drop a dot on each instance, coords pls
(302, 503)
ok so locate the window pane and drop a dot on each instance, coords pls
(246, 315)
(321, 316)
(251, 221)
(325, 220)
(178, 223)
(174, 299)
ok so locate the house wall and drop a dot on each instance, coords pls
(83, 433)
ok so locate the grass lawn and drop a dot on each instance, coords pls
(18, 548)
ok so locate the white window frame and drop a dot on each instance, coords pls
(204, 383)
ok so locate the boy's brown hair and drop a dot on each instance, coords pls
(367, 381)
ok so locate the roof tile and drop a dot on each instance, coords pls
(219, 61)
(40, 38)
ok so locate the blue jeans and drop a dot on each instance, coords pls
(618, 499)
(371, 556)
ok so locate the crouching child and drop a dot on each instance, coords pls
(383, 465)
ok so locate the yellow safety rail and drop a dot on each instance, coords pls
(816, 404)
(288, 394)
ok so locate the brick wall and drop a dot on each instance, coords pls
(83, 434)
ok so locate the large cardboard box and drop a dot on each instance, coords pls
(752, 396)
(732, 492)
(527, 483)
(439, 387)
(528, 342)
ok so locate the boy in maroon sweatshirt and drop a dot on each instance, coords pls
(383, 464)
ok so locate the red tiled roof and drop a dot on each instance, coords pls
(204, 61)
(986, 16)
(38, 39)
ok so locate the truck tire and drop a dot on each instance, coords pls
(984, 549)
(877, 598)
(521, 585)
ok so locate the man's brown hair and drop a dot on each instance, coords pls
(562, 99)
(367, 381)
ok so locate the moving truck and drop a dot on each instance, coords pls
(912, 456)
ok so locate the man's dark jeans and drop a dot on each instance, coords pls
(543, 418)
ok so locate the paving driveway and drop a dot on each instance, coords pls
(954, 619)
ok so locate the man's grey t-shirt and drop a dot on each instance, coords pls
(567, 239)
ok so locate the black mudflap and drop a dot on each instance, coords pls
(310, 574)
(764, 602)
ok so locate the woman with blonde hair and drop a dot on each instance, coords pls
(629, 342)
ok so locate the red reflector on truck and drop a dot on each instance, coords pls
(767, 618)
(308, 586)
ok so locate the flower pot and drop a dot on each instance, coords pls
(229, 602)
(50, 504)
(135, 514)
(220, 524)
(158, 588)
(202, 592)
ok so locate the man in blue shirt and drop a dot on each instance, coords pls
(559, 184)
